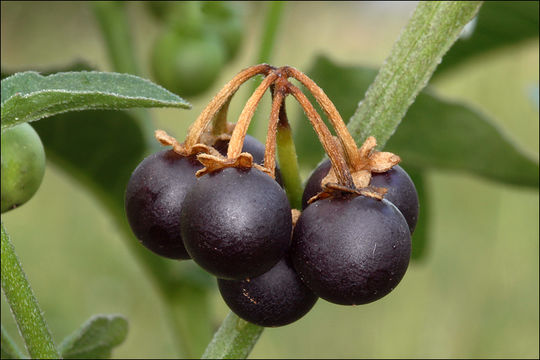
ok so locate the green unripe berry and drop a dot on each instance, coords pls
(186, 63)
(23, 165)
(225, 19)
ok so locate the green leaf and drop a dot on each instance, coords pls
(100, 149)
(456, 137)
(29, 96)
(234, 339)
(96, 338)
(446, 135)
(498, 24)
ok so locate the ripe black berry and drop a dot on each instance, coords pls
(401, 189)
(236, 223)
(252, 146)
(313, 184)
(154, 198)
(401, 192)
(276, 298)
(351, 250)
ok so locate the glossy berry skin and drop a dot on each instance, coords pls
(401, 190)
(351, 251)
(276, 298)
(23, 165)
(252, 146)
(154, 198)
(236, 223)
(313, 183)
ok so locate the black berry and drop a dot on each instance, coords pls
(236, 223)
(313, 184)
(252, 146)
(401, 189)
(351, 250)
(154, 198)
(275, 298)
(401, 192)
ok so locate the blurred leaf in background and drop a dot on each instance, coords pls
(498, 24)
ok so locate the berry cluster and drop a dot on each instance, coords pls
(216, 199)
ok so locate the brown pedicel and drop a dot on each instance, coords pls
(352, 167)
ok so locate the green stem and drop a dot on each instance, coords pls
(24, 305)
(433, 28)
(268, 40)
(288, 161)
(114, 25)
(234, 339)
(8, 348)
(271, 23)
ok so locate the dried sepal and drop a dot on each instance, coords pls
(380, 162)
(214, 163)
(367, 147)
(361, 178)
(168, 140)
(265, 170)
(335, 189)
(204, 149)
(374, 161)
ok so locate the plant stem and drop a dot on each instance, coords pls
(234, 339)
(268, 40)
(9, 349)
(24, 305)
(114, 25)
(433, 28)
(288, 161)
(271, 23)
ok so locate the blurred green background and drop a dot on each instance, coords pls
(476, 294)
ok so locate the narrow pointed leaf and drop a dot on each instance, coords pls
(29, 96)
(100, 149)
(96, 338)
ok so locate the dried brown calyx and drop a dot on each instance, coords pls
(369, 161)
(352, 167)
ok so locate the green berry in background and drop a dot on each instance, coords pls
(23, 165)
(225, 19)
(187, 63)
